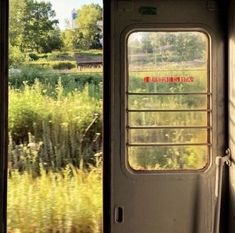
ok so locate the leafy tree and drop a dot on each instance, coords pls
(71, 38)
(32, 27)
(38, 25)
(87, 19)
(146, 43)
(189, 46)
(16, 13)
(16, 57)
(16, 27)
(54, 41)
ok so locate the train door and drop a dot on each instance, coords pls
(167, 115)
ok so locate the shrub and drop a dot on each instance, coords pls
(63, 66)
(60, 56)
(16, 57)
(36, 57)
(56, 65)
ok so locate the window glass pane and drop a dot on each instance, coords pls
(167, 135)
(168, 118)
(168, 158)
(167, 62)
(168, 101)
(170, 80)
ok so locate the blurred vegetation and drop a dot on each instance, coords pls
(55, 125)
(69, 201)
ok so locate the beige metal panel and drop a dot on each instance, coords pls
(163, 202)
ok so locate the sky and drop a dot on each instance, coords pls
(63, 8)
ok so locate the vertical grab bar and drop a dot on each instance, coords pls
(220, 162)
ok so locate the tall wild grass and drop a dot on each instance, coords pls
(53, 130)
(65, 202)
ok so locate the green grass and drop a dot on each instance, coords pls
(55, 202)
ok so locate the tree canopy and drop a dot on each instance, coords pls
(87, 19)
(33, 26)
(85, 34)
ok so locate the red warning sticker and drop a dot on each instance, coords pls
(171, 79)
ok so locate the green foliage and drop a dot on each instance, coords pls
(36, 57)
(63, 128)
(87, 34)
(60, 56)
(168, 157)
(50, 79)
(16, 57)
(89, 53)
(17, 11)
(88, 15)
(38, 26)
(71, 38)
(87, 19)
(70, 201)
(16, 24)
(53, 41)
(32, 27)
(56, 65)
(63, 66)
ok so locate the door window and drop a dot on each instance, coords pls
(168, 96)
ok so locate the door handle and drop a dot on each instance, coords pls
(220, 162)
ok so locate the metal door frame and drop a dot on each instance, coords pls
(107, 117)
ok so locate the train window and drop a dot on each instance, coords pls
(168, 101)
